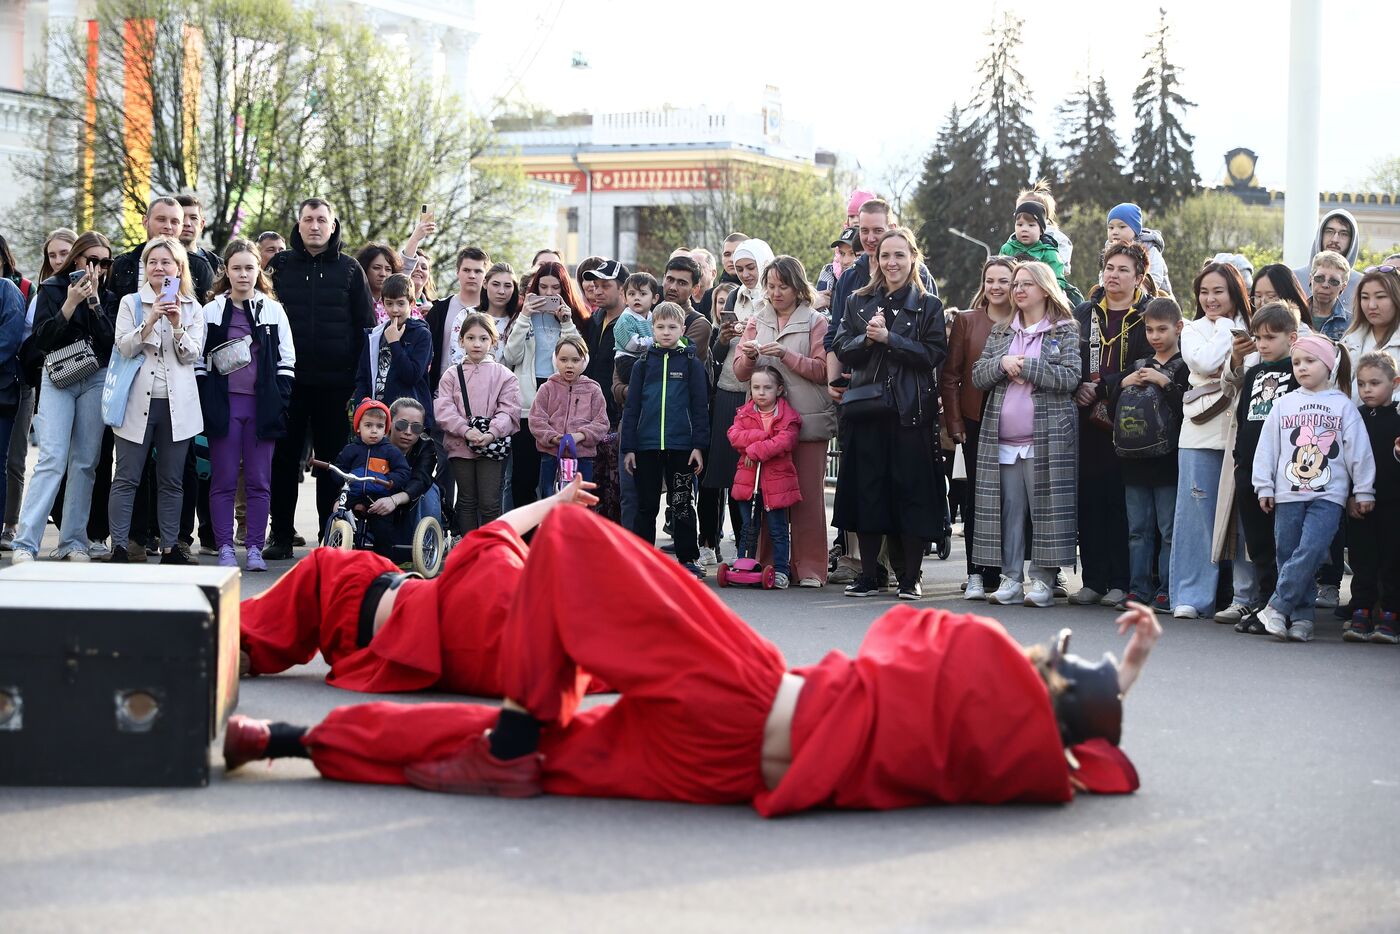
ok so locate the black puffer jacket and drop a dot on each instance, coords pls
(917, 345)
(327, 302)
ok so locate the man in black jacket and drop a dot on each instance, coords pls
(328, 304)
(164, 218)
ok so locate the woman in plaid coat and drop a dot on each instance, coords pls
(1026, 465)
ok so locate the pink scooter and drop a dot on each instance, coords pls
(747, 572)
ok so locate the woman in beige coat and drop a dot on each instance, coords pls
(787, 333)
(163, 406)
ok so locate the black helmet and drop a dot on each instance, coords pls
(1090, 706)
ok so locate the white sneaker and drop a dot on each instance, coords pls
(1114, 598)
(98, 551)
(780, 581)
(79, 556)
(809, 582)
(975, 589)
(1232, 613)
(1061, 585)
(1040, 594)
(1086, 596)
(707, 558)
(1328, 596)
(20, 557)
(1274, 623)
(1301, 631)
(1185, 612)
(1009, 593)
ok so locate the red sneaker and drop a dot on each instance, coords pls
(474, 771)
(245, 740)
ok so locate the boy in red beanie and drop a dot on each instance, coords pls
(372, 454)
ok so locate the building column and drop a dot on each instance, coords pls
(1304, 141)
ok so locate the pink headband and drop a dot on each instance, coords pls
(1320, 347)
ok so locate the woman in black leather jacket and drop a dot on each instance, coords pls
(891, 336)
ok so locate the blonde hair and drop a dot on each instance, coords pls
(668, 311)
(1057, 307)
(1377, 360)
(877, 273)
(1040, 193)
(478, 320)
(1331, 258)
(177, 252)
(574, 341)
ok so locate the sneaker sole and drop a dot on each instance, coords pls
(1351, 635)
(862, 595)
(991, 598)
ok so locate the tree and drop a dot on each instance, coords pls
(255, 105)
(796, 210)
(1002, 107)
(1164, 173)
(1093, 160)
(897, 183)
(953, 194)
(1384, 177)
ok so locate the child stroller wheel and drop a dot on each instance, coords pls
(770, 577)
(341, 534)
(945, 546)
(428, 547)
(722, 575)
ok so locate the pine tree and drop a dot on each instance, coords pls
(1003, 106)
(953, 193)
(1163, 170)
(1093, 159)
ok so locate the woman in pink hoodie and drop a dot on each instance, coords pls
(477, 410)
(570, 405)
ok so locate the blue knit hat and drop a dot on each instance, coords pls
(1129, 214)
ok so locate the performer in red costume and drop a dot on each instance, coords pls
(935, 707)
(381, 630)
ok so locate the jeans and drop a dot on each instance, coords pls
(1151, 511)
(1017, 494)
(626, 490)
(777, 522)
(1303, 534)
(1193, 574)
(549, 466)
(68, 425)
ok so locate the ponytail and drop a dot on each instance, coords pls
(1343, 374)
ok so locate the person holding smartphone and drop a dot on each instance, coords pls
(553, 309)
(68, 422)
(163, 322)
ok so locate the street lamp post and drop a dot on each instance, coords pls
(958, 233)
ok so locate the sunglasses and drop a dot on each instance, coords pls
(103, 263)
(1371, 269)
(1330, 280)
(404, 424)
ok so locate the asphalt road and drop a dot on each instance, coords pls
(1270, 801)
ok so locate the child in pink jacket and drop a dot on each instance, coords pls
(765, 434)
(477, 410)
(571, 404)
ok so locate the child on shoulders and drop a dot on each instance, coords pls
(1031, 242)
(1125, 226)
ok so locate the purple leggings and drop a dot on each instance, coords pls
(225, 454)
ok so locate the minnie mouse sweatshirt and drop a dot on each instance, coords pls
(1314, 446)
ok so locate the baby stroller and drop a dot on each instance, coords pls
(424, 552)
(747, 572)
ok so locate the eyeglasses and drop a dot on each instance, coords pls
(404, 424)
(1371, 269)
(1330, 280)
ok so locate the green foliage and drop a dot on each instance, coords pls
(1164, 172)
(286, 105)
(1092, 167)
(1384, 177)
(953, 193)
(798, 211)
(1213, 222)
(1002, 107)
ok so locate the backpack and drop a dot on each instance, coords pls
(1144, 422)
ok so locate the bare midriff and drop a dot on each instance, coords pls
(777, 730)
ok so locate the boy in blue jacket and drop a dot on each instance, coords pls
(665, 428)
(372, 454)
(394, 363)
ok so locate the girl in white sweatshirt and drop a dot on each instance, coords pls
(1313, 459)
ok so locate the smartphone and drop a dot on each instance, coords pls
(1241, 332)
(76, 276)
(427, 212)
(550, 303)
(171, 291)
(728, 317)
(840, 382)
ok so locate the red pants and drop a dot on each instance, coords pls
(697, 683)
(443, 633)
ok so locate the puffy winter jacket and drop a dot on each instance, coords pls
(668, 405)
(578, 409)
(771, 447)
(328, 305)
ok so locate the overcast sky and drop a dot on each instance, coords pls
(1234, 57)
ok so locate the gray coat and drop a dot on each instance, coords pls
(1054, 376)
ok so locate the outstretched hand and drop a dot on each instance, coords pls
(1146, 631)
(576, 493)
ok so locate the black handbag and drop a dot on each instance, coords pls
(497, 450)
(868, 402)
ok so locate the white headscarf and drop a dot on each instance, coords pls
(761, 253)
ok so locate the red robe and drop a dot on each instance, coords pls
(936, 707)
(442, 634)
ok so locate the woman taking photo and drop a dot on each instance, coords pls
(552, 309)
(68, 421)
(56, 249)
(787, 333)
(163, 408)
(1029, 369)
(891, 336)
(1212, 345)
(962, 400)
